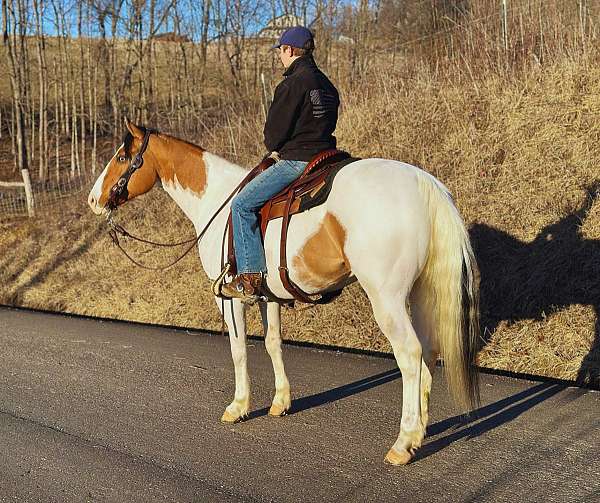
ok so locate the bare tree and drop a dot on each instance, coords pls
(38, 7)
(13, 41)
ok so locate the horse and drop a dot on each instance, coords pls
(386, 224)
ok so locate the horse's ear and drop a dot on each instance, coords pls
(133, 129)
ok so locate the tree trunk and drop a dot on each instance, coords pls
(43, 92)
(14, 54)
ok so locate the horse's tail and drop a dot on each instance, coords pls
(450, 280)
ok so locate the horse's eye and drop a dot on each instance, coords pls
(121, 158)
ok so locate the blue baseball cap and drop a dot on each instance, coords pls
(297, 36)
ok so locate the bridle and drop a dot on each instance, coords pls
(119, 194)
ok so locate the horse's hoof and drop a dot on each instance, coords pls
(277, 411)
(229, 418)
(398, 458)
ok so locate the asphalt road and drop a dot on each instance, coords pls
(107, 411)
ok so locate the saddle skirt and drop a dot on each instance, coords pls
(309, 190)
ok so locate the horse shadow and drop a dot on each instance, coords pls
(334, 394)
(559, 268)
(445, 432)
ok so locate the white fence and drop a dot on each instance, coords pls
(26, 198)
(26, 186)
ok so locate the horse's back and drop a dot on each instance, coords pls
(374, 218)
(380, 200)
(380, 184)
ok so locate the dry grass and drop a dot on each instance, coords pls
(517, 151)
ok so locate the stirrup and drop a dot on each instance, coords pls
(218, 283)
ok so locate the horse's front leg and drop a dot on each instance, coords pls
(235, 317)
(271, 318)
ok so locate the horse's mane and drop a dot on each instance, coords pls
(128, 141)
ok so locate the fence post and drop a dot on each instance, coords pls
(28, 192)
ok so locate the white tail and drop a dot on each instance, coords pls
(451, 280)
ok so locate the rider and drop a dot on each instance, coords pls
(300, 124)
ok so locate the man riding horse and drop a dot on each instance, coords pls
(299, 125)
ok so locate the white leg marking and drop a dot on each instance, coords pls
(235, 317)
(395, 323)
(423, 323)
(271, 317)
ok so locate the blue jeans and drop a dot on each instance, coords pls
(249, 251)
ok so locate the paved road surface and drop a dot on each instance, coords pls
(106, 411)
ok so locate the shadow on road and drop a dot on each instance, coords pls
(493, 415)
(467, 426)
(353, 388)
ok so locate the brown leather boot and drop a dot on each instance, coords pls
(245, 286)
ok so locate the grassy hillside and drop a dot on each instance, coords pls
(520, 154)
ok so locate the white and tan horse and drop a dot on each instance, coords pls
(387, 224)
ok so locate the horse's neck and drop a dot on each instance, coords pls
(199, 182)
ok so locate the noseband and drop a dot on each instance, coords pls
(119, 193)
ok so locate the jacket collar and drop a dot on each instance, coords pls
(302, 61)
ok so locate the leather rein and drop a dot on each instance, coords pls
(119, 195)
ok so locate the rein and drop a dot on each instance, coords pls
(119, 194)
(118, 229)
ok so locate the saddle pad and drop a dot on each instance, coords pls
(313, 194)
(319, 194)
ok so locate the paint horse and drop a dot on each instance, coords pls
(387, 224)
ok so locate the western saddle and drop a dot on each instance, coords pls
(307, 191)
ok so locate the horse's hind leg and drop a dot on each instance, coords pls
(423, 320)
(392, 317)
(271, 318)
(235, 317)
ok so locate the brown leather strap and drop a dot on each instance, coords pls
(230, 246)
(284, 273)
(331, 156)
(296, 187)
(264, 214)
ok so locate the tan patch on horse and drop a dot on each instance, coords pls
(141, 182)
(186, 164)
(321, 262)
